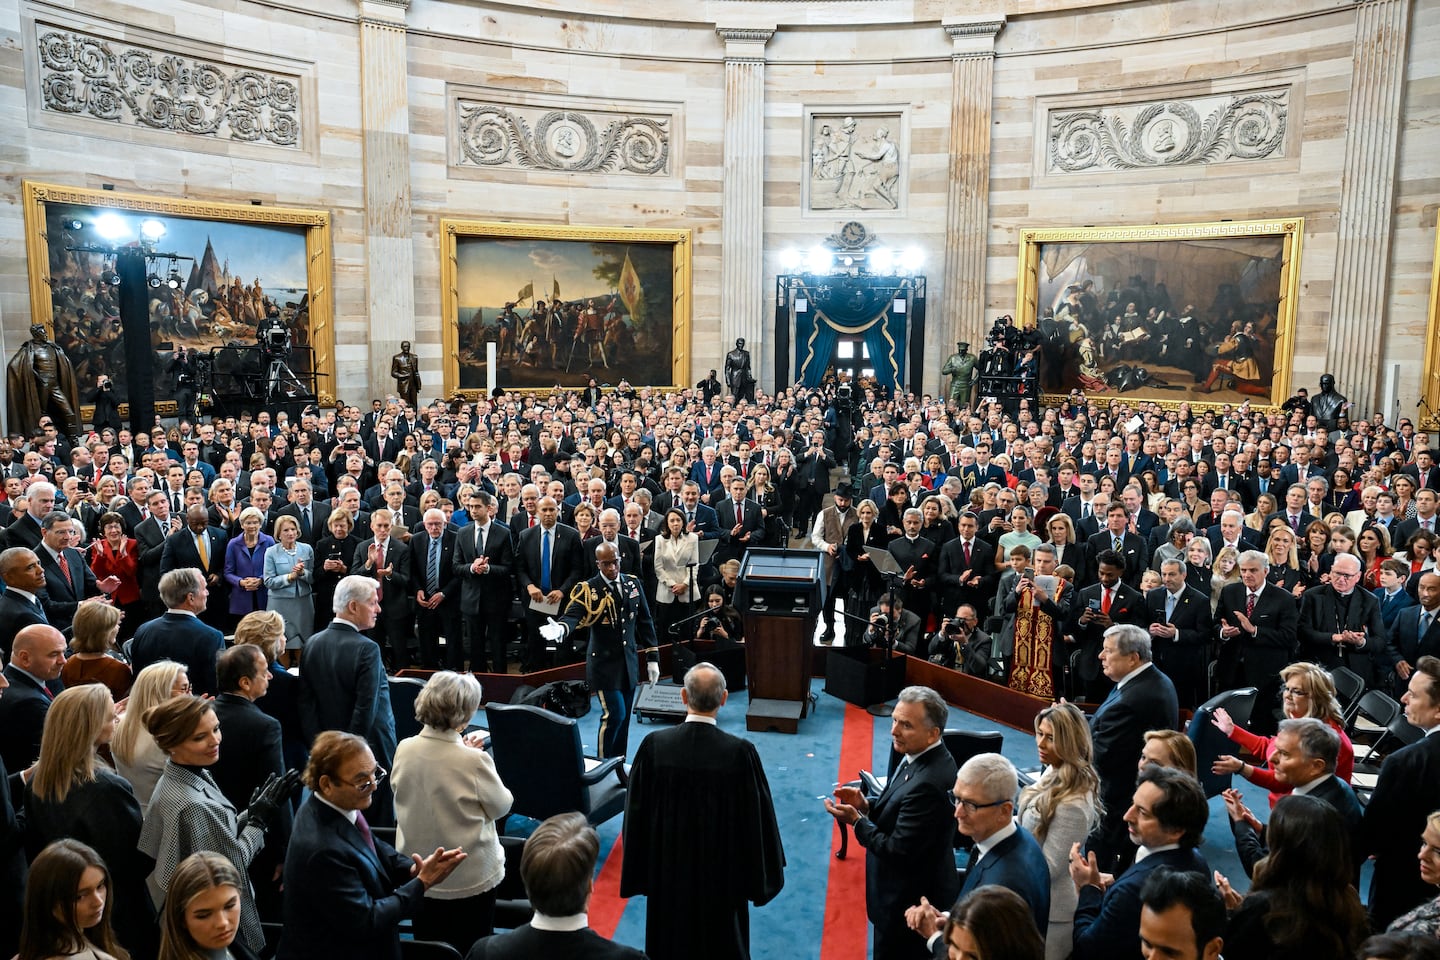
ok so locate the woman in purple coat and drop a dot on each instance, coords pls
(245, 565)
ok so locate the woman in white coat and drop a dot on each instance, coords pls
(677, 559)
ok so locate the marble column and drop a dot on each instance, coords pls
(743, 299)
(961, 313)
(1362, 256)
(389, 254)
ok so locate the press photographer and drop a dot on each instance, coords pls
(891, 623)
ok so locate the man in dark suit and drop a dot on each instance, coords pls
(1005, 853)
(967, 568)
(437, 592)
(484, 564)
(252, 753)
(1141, 520)
(558, 869)
(812, 479)
(346, 890)
(1426, 474)
(180, 635)
(697, 781)
(613, 607)
(388, 561)
(545, 578)
(706, 473)
(1165, 818)
(1407, 792)
(150, 539)
(20, 604)
(1181, 629)
(1258, 624)
(740, 522)
(33, 673)
(24, 530)
(1230, 532)
(628, 548)
(1416, 632)
(1293, 513)
(908, 831)
(68, 578)
(184, 550)
(1119, 538)
(699, 519)
(1096, 609)
(1143, 699)
(313, 515)
(1340, 624)
(343, 685)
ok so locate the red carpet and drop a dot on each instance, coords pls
(847, 933)
(606, 904)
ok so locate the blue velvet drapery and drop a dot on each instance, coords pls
(850, 306)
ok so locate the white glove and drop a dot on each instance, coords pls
(652, 670)
(551, 630)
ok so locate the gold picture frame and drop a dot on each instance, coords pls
(1242, 279)
(43, 201)
(1430, 386)
(646, 307)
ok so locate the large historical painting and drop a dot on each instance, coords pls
(233, 266)
(856, 161)
(1191, 312)
(564, 304)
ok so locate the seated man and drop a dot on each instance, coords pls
(889, 619)
(1165, 820)
(558, 869)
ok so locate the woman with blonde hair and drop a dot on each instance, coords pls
(1060, 809)
(1284, 561)
(96, 626)
(1307, 690)
(74, 793)
(1265, 506)
(1224, 570)
(137, 758)
(288, 572)
(1169, 748)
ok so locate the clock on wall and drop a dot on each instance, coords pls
(853, 234)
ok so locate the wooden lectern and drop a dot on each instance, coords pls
(780, 593)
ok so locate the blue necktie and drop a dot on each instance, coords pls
(545, 562)
(432, 568)
(1110, 698)
(1169, 607)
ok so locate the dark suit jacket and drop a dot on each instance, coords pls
(150, 538)
(1407, 792)
(1127, 606)
(1191, 618)
(1132, 549)
(612, 662)
(184, 639)
(908, 835)
(1217, 542)
(1017, 862)
(1107, 926)
(1319, 619)
(567, 562)
(1405, 636)
(420, 562)
(754, 527)
(15, 615)
(180, 552)
(343, 687)
(495, 591)
(1146, 702)
(629, 555)
(924, 557)
(979, 589)
(1274, 645)
(1332, 790)
(251, 751)
(319, 519)
(22, 717)
(341, 898)
(63, 595)
(396, 595)
(23, 531)
(526, 943)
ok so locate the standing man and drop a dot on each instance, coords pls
(548, 564)
(312, 515)
(68, 578)
(437, 592)
(1340, 625)
(387, 561)
(828, 536)
(180, 635)
(343, 686)
(200, 547)
(1258, 624)
(24, 580)
(33, 676)
(1181, 917)
(150, 537)
(1097, 608)
(701, 838)
(1180, 631)
(908, 831)
(484, 561)
(741, 525)
(612, 605)
(812, 479)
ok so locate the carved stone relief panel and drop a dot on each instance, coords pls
(492, 130)
(857, 159)
(1184, 130)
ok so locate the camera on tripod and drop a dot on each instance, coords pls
(273, 336)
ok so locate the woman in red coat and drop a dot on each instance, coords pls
(116, 555)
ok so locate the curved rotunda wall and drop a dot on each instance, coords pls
(386, 89)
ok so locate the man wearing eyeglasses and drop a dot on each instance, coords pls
(1341, 625)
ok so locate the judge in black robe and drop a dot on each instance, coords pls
(700, 833)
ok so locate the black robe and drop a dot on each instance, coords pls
(700, 841)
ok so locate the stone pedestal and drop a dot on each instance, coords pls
(967, 204)
(1362, 255)
(743, 298)
(385, 133)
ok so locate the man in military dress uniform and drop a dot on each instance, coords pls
(960, 368)
(612, 605)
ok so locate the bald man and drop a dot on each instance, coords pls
(34, 675)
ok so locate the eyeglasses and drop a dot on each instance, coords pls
(371, 781)
(1295, 693)
(970, 806)
(181, 688)
(1338, 575)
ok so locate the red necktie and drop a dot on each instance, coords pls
(1250, 606)
(1105, 602)
(967, 553)
(364, 829)
(739, 514)
(65, 569)
(379, 578)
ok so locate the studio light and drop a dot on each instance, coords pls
(819, 260)
(174, 282)
(110, 277)
(112, 226)
(72, 224)
(882, 260)
(152, 229)
(789, 258)
(153, 281)
(912, 259)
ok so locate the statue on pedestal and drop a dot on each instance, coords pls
(960, 368)
(738, 375)
(405, 370)
(41, 382)
(1328, 404)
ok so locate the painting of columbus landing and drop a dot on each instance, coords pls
(564, 305)
(220, 270)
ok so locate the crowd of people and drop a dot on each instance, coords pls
(157, 586)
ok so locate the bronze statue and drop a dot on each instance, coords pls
(960, 368)
(41, 382)
(1329, 403)
(738, 375)
(405, 370)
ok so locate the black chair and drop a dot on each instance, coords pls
(1210, 743)
(539, 757)
(512, 903)
(272, 933)
(427, 950)
(403, 693)
(963, 744)
(1372, 716)
(1349, 688)
(1400, 732)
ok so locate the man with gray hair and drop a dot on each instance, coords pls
(700, 817)
(179, 634)
(24, 530)
(1340, 625)
(908, 830)
(1143, 699)
(1181, 629)
(68, 578)
(344, 687)
(437, 592)
(1258, 625)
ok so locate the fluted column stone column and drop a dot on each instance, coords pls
(743, 299)
(967, 204)
(1362, 257)
(385, 133)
